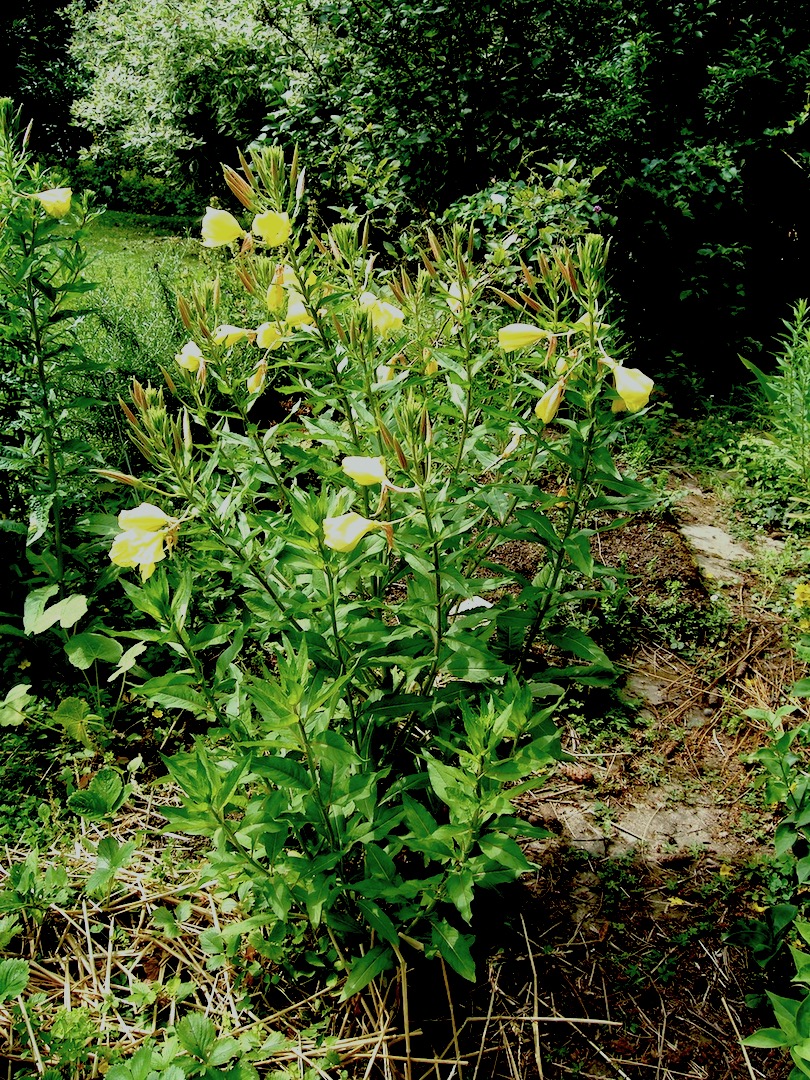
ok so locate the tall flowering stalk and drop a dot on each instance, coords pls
(42, 276)
(335, 587)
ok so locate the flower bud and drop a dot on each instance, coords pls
(519, 336)
(546, 408)
(255, 383)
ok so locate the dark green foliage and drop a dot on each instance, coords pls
(37, 71)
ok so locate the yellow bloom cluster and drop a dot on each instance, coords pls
(219, 227)
(633, 387)
(145, 531)
(801, 594)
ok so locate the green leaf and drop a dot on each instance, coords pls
(74, 716)
(9, 928)
(575, 641)
(13, 978)
(379, 863)
(128, 659)
(39, 516)
(767, 1038)
(84, 650)
(470, 661)
(366, 968)
(379, 921)
(66, 612)
(454, 947)
(506, 852)
(197, 1036)
(16, 701)
(138, 1067)
(785, 1010)
(35, 603)
(110, 857)
(164, 920)
(803, 1019)
(283, 771)
(460, 892)
(104, 795)
(173, 691)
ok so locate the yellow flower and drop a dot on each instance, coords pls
(219, 228)
(145, 529)
(190, 356)
(283, 276)
(385, 318)
(801, 594)
(344, 533)
(431, 364)
(272, 227)
(297, 313)
(255, 383)
(546, 408)
(633, 387)
(519, 336)
(457, 298)
(56, 201)
(144, 518)
(513, 443)
(229, 335)
(365, 470)
(135, 548)
(269, 335)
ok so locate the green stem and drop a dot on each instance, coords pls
(49, 420)
(339, 650)
(253, 436)
(438, 636)
(560, 558)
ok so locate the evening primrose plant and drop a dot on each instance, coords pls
(377, 683)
